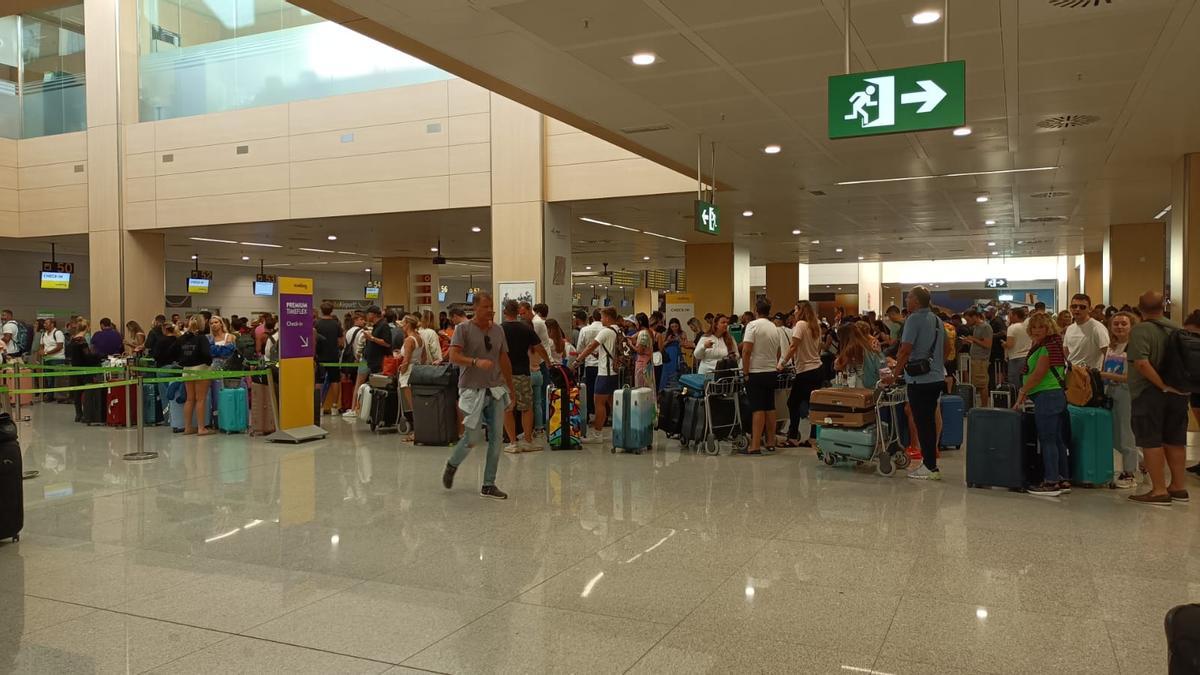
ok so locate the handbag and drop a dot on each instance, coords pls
(391, 365)
(925, 365)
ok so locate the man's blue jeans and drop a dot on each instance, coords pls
(539, 399)
(493, 418)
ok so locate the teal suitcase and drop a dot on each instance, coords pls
(844, 443)
(233, 411)
(1091, 446)
(633, 420)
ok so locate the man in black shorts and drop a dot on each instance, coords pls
(762, 347)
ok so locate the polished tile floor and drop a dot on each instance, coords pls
(229, 554)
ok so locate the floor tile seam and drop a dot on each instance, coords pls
(452, 633)
(716, 588)
(167, 589)
(56, 624)
(357, 582)
(226, 637)
(589, 612)
(1036, 613)
(1113, 646)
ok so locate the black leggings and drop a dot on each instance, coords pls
(802, 388)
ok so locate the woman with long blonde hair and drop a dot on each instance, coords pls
(860, 353)
(804, 353)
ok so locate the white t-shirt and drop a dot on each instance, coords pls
(539, 327)
(433, 346)
(587, 335)
(808, 353)
(1018, 341)
(607, 338)
(768, 347)
(707, 357)
(356, 337)
(12, 329)
(1086, 344)
(51, 340)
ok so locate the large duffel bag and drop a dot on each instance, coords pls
(441, 375)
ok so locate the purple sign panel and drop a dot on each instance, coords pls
(295, 326)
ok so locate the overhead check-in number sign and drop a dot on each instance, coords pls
(917, 98)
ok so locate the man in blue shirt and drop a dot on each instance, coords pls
(922, 344)
(107, 341)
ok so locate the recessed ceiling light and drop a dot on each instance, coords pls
(981, 199)
(1020, 241)
(195, 257)
(989, 222)
(245, 257)
(645, 257)
(433, 249)
(477, 229)
(795, 231)
(315, 250)
(747, 213)
(995, 252)
(962, 131)
(588, 267)
(927, 17)
(816, 241)
(643, 58)
(367, 269)
(837, 250)
(991, 243)
(215, 241)
(772, 149)
(861, 257)
(332, 237)
(254, 243)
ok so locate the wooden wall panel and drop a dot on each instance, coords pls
(54, 221)
(8, 152)
(470, 129)
(517, 161)
(52, 149)
(235, 208)
(414, 194)
(139, 138)
(1138, 258)
(222, 182)
(467, 97)
(141, 215)
(140, 165)
(471, 158)
(370, 140)
(51, 175)
(385, 106)
(139, 189)
(597, 180)
(366, 168)
(8, 200)
(221, 128)
(10, 224)
(578, 148)
(470, 189)
(259, 152)
(59, 197)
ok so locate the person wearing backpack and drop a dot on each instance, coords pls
(1161, 368)
(17, 337)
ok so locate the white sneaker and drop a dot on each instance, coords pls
(533, 446)
(513, 448)
(349, 415)
(594, 437)
(923, 473)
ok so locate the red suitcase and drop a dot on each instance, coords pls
(116, 398)
(347, 393)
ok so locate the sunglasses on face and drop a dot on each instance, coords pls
(1079, 306)
(487, 342)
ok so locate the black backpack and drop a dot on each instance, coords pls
(1180, 368)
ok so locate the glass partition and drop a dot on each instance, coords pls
(206, 56)
(42, 73)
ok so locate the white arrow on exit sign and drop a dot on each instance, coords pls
(929, 96)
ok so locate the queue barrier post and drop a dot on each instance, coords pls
(141, 454)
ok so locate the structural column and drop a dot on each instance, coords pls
(1134, 261)
(1093, 275)
(870, 288)
(531, 239)
(787, 283)
(410, 283)
(718, 277)
(1184, 236)
(128, 269)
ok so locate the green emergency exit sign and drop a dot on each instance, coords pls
(708, 218)
(916, 98)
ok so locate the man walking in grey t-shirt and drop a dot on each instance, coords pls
(485, 387)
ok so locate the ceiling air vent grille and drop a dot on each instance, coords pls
(1081, 4)
(645, 129)
(1051, 194)
(1067, 121)
(1043, 219)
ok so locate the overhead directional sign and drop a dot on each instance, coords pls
(708, 218)
(997, 283)
(917, 98)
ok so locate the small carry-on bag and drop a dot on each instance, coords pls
(231, 412)
(1182, 624)
(12, 499)
(116, 399)
(152, 406)
(1003, 396)
(952, 421)
(967, 393)
(347, 394)
(385, 409)
(670, 411)
(364, 402)
(995, 449)
(633, 420)
(262, 417)
(1091, 446)
(693, 384)
(692, 430)
(843, 407)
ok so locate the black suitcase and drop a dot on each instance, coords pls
(385, 409)
(670, 411)
(967, 393)
(692, 429)
(95, 407)
(12, 497)
(1001, 449)
(435, 420)
(1182, 624)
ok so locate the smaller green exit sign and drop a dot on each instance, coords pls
(708, 218)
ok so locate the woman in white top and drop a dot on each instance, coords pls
(429, 336)
(411, 353)
(1115, 374)
(561, 348)
(715, 346)
(805, 353)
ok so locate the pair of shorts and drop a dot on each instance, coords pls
(1159, 419)
(522, 392)
(605, 385)
(760, 389)
(363, 370)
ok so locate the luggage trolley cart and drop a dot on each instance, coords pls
(892, 427)
(725, 389)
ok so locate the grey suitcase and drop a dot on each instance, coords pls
(1000, 452)
(967, 393)
(435, 416)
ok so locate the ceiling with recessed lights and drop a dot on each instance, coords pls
(1100, 93)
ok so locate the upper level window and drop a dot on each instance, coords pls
(42, 73)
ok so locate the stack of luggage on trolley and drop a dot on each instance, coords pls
(861, 426)
(707, 409)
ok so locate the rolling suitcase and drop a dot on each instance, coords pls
(93, 403)
(435, 416)
(175, 416)
(347, 393)
(967, 393)
(693, 384)
(385, 409)
(12, 500)
(858, 444)
(843, 407)
(117, 415)
(364, 402)
(995, 449)
(633, 420)
(692, 429)
(670, 411)
(1003, 396)
(1091, 446)
(231, 413)
(262, 418)
(952, 421)
(1182, 625)
(565, 422)
(152, 406)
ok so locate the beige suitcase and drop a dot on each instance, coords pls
(844, 397)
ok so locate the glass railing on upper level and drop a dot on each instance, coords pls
(42, 76)
(267, 68)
